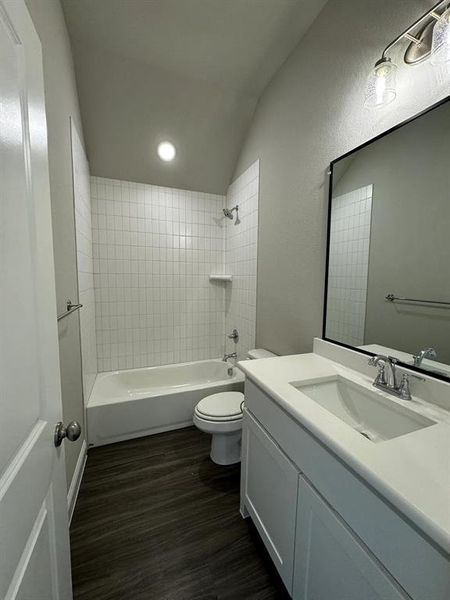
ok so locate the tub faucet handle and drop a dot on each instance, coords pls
(234, 335)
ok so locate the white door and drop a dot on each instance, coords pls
(34, 540)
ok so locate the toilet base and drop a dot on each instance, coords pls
(226, 448)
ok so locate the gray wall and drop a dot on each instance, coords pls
(61, 102)
(311, 113)
(410, 242)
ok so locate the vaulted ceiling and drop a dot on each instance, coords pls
(187, 71)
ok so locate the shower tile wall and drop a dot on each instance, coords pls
(86, 296)
(241, 245)
(349, 264)
(154, 248)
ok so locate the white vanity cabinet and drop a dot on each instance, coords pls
(269, 494)
(330, 535)
(330, 561)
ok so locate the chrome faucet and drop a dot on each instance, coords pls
(386, 378)
(427, 353)
(227, 356)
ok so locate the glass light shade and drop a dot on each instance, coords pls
(381, 84)
(440, 47)
(166, 151)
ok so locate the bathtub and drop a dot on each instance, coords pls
(137, 402)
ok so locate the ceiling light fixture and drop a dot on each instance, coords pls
(432, 37)
(166, 151)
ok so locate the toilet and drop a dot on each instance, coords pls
(221, 416)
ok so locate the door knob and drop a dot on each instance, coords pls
(72, 432)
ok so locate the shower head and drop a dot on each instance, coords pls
(228, 212)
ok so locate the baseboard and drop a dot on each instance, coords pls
(74, 488)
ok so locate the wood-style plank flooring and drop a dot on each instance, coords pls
(156, 519)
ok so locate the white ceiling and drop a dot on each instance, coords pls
(187, 70)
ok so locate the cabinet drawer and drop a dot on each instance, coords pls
(269, 490)
(419, 566)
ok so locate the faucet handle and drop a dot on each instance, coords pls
(403, 388)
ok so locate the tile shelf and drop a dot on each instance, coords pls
(221, 278)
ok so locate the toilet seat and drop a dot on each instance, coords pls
(225, 406)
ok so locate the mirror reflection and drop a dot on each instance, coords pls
(388, 281)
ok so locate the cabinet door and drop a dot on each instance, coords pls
(269, 489)
(330, 561)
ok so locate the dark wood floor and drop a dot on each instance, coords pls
(156, 519)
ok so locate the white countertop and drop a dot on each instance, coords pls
(411, 471)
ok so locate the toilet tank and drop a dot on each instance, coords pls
(259, 353)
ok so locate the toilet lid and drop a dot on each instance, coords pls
(226, 405)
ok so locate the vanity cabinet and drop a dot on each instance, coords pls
(269, 487)
(329, 534)
(330, 561)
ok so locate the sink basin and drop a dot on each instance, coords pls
(377, 418)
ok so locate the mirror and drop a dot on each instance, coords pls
(388, 268)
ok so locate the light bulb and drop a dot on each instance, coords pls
(440, 47)
(166, 151)
(381, 84)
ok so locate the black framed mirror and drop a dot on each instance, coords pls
(387, 285)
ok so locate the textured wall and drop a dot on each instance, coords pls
(154, 249)
(86, 297)
(311, 113)
(241, 245)
(61, 103)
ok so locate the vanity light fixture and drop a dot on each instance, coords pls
(440, 48)
(166, 151)
(381, 83)
(432, 37)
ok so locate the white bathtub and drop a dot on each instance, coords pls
(138, 402)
